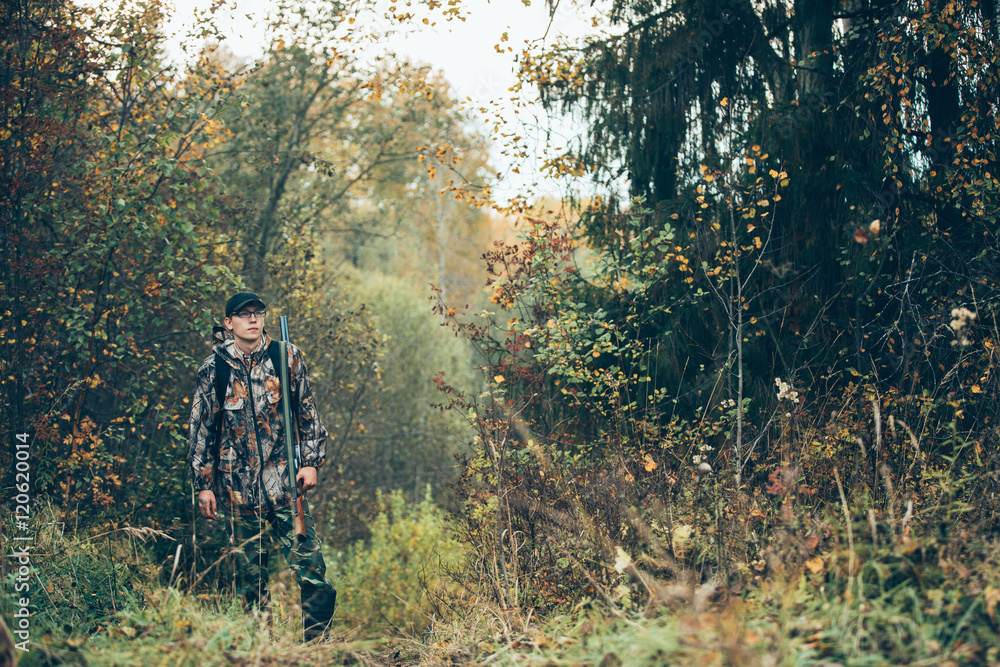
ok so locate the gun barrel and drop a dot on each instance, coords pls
(286, 398)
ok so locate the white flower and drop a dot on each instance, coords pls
(962, 318)
(696, 459)
(785, 391)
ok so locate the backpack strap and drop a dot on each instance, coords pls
(222, 373)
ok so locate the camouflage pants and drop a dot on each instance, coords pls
(304, 558)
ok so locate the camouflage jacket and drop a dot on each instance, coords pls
(253, 429)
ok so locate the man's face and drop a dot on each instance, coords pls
(247, 331)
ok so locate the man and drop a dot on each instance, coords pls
(243, 466)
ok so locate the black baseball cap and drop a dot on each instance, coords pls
(240, 299)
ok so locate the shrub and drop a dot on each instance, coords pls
(397, 580)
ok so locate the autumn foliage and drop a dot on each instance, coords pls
(108, 244)
(777, 355)
(750, 359)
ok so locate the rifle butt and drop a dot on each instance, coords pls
(300, 518)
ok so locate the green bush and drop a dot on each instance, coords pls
(398, 580)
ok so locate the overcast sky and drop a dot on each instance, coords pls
(463, 50)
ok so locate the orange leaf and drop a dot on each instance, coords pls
(815, 565)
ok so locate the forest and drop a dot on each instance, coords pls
(731, 398)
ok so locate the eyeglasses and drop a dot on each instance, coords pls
(247, 314)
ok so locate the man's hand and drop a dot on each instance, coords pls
(306, 479)
(206, 503)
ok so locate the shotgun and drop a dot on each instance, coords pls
(291, 448)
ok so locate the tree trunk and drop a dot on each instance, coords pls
(813, 21)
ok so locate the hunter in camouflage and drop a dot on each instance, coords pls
(243, 468)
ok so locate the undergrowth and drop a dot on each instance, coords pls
(866, 594)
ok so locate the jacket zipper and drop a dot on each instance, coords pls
(256, 437)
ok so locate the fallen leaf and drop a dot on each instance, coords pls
(992, 596)
(622, 561)
(815, 565)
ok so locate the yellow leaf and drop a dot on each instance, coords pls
(725, 101)
(815, 565)
(976, 389)
(649, 464)
(622, 560)
(992, 596)
(498, 379)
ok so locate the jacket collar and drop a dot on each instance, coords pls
(230, 352)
